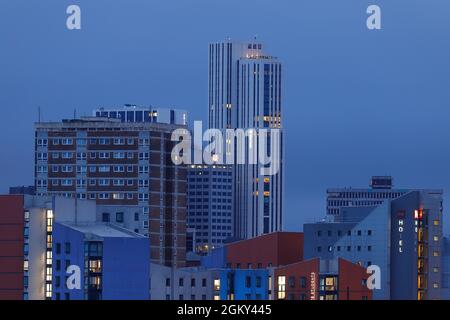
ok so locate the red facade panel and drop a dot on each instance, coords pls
(301, 281)
(11, 247)
(352, 282)
(275, 249)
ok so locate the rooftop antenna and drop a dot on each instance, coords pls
(74, 114)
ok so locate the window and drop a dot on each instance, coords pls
(119, 141)
(67, 247)
(291, 282)
(281, 287)
(67, 142)
(136, 216)
(103, 169)
(203, 282)
(193, 282)
(103, 155)
(58, 265)
(58, 248)
(119, 169)
(118, 196)
(181, 283)
(105, 217)
(303, 282)
(66, 183)
(258, 282)
(119, 217)
(248, 282)
(119, 155)
(167, 282)
(216, 284)
(67, 155)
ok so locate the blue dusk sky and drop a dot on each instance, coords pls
(356, 102)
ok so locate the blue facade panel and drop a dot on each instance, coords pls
(216, 259)
(125, 265)
(251, 284)
(126, 269)
(68, 249)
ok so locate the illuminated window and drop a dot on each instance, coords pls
(281, 287)
(436, 222)
(436, 254)
(435, 285)
(95, 266)
(436, 238)
(216, 297)
(216, 284)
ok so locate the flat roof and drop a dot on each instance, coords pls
(103, 230)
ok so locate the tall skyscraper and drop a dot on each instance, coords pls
(210, 205)
(245, 92)
(127, 168)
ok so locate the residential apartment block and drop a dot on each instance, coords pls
(126, 167)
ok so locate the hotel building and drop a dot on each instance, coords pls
(403, 237)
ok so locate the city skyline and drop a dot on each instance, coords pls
(337, 87)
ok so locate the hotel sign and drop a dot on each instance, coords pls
(313, 281)
(401, 215)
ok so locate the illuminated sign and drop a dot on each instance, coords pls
(401, 228)
(313, 286)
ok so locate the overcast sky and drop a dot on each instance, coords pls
(356, 102)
